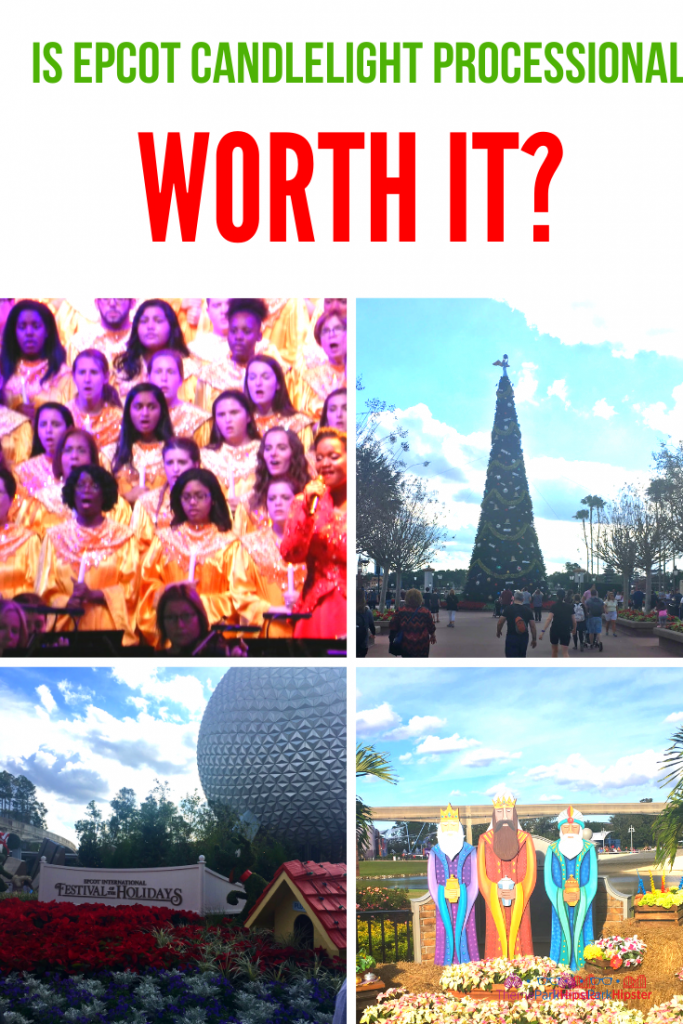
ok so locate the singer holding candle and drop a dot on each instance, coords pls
(153, 508)
(261, 579)
(137, 463)
(195, 550)
(96, 406)
(91, 562)
(316, 534)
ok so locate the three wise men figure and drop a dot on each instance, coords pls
(452, 882)
(571, 882)
(506, 864)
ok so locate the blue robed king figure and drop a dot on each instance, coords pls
(571, 882)
(453, 885)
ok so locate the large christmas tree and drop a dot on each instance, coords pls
(506, 551)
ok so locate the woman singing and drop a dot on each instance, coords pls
(91, 562)
(32, 360)
(96, 406)
(195, 549)
(316, 534)
(137, 463)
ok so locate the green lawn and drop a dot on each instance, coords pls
(392, 867)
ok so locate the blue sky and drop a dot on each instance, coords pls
(598, 386)
(459, 734)
(81, 733)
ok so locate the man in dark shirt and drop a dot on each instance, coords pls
(520, 619)
(637, 598)
(506, 597)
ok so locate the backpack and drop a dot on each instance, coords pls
(594, 606)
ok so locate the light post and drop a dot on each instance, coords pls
(631, 831)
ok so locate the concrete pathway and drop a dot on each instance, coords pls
(474, 636)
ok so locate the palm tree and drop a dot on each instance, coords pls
(582, 516)
(668, 829)
(593, 501)
(369, 762)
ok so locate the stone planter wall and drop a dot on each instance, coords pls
(636, 627)
(670, 641)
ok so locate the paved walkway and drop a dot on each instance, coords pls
(474, 636)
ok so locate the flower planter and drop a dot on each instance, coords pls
(604, 967)
(672, 916)
(636, 627)
(670, 640)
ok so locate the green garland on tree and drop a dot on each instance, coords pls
(506, 551)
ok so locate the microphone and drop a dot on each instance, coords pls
(313, 504)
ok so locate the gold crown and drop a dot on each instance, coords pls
(504, 800)
(451, 814)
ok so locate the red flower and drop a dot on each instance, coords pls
(616, 962)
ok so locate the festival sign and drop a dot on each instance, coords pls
(189, 887)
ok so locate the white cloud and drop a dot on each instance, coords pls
(559, 389)
(376, 720)
(405, 757)
(626, 327)
(184, 689)
(429, 759)
(455, 792)
(444, 744)
(499, 787)
(603, 409)
(485, 756)
(73, 694)
(675, 716)
(526, 385)
(417, 725)
(553, 798)
(669, 421)
(576, 771)
(46, 698)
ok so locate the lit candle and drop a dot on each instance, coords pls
(24, 396)
(290, 577)
(141, 474)
(231, 480)
(193, 562)
(81, 571)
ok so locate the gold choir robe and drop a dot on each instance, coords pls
(259, 580)
(27, 381)
(112, 565)
(168, 561)
(151, 512)
(16, 436)
(19, 554)
(111, 343)
(189, 421)
(217, 371)
(313, 386)
(240, 460)
(146, 462)
(105, 425)
(288, 326)
(34, 474)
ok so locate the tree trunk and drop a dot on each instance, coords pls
(383, 592)
(625, 589)
(398, 588)
(648, 587)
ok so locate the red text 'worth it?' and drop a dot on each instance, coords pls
(240, 146)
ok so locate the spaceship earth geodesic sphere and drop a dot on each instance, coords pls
(273, 743)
